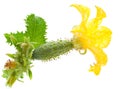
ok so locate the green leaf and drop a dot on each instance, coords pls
(14, 38)
(30, 73)
(36, 29)
(11, 55)
(6, 73)
(24, 42)
(11, 80)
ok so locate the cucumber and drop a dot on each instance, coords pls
(52, 50)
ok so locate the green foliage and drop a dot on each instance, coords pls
(36, 29)
(36, 32)
(52, 50)
(30, 74)
(14, 38)
(24, 42)
(21, 63)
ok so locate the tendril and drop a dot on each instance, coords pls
(82, 51)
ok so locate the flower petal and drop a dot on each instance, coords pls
(100, 56)
(101, 37)
(101, 59)
(100, 13)
(95, 22)
(96, 69)
(85, 11)
(80, 39)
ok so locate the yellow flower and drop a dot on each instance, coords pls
(90, 35)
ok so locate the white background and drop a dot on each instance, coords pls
(69, 71)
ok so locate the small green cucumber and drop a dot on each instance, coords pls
(52, 50)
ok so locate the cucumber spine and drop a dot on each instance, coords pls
(52, 50)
